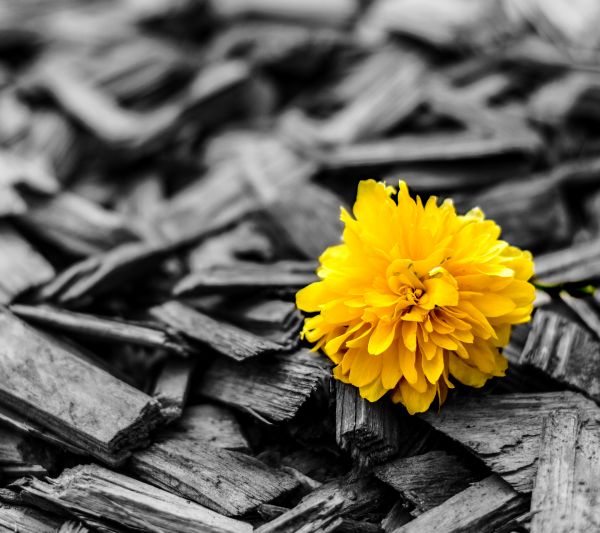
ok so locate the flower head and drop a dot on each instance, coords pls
(416, 296)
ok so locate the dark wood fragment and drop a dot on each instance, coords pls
(18, 457)
(226, 339)
(504, 430)
(270, 388)
(101, 328)
(228, 482)
(562, 349)
(14, 519)
(171, 387)
(76, 225)
(396, 517)
(586, 308)
(426, 480)
(21, 267)
(481, 508)
(369, 431)
(327, 504)
(51, 385)
(214, 424)
(100, 273)
(577, 263)
(246, 276)
(552, 498)
(110, 501)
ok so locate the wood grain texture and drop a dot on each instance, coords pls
(481, 508)
(213, 424)
(552, 497)
(370, 432)
(228, 482)
(504, 430)
(271, 388)
(427, 480)
(327, 505)
(110, 501)
(567, 352)
(225, 338)
(21, 267)
(50, 384)
(16, 519)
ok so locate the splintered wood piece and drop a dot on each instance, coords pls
(585, 308)
(308, 217)
(577, 263)
(369, 431)
(442, 147)
(14, 518)
(101, 328)
(246, 276)
(76, 225)
(214, 424)
(228, 482)
(171, 388)
(565, 351)
(396, 517)
(21, 267)
(73, 527)
(328, 504)
(504, 430)
(104, 500)
(49, 383)
(98, 274)
(552, 497)
(227, 339)
(270, 388)
(426, 480)
(18, 455)
(481, 508)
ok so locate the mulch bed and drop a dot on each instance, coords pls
(170, 172)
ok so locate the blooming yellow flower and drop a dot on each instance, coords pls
(414, 296)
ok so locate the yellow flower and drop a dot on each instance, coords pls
(414, 296)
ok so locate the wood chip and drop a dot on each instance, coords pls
(228, 482)
(504, 430)
(214, 424)
(246, 276)
(109, 501)
(86, 407)
(21, 267)
(481, 508)
(25, 520)
(369, 431)
(327, 505)
(577, 263)
(226, 339)
(270, 388)
(567, 352)
(171, 387)
(101, 328)
(427, 480)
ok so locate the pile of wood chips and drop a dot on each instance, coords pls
(170, 171)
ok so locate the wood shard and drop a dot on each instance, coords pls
(50, 384)
(228, 482)
(369, 431)
(171, 387)
(26, 520)
(224, 338)
(481, 508)
(567, 352)
(327, 505)
(271, 388)
(108, 501)
(21, 267)
(101, 328)
(426, 480)
(552, 497)
(246, 276)
(504, 430)
(213, 424)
